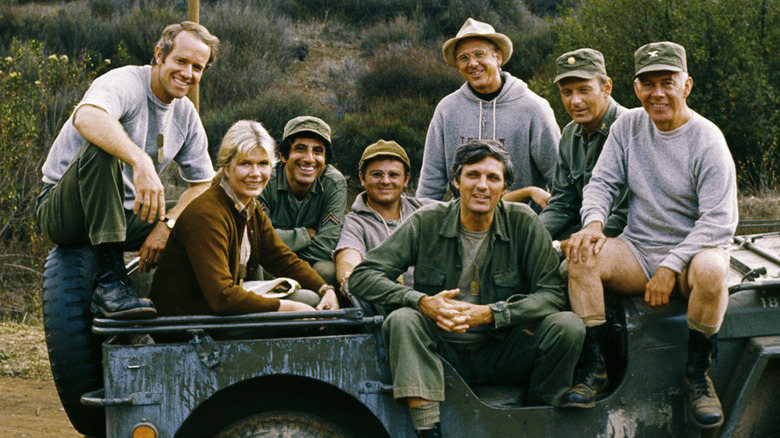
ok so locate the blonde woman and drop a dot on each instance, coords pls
(223, 237)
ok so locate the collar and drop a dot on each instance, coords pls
(450, 228)
(244, 210)
(606, 121)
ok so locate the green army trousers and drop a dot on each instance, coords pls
(541, 356)
(85, 206)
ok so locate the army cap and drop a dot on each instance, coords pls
(581, 63)
(307, 124)
(384, 149)
(661, 56)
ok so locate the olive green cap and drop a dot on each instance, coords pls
(307, 124)
(661, 56)
(581, 63)
(384, 149)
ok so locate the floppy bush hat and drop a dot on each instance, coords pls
(477, 29)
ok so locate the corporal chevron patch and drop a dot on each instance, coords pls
(331, 217)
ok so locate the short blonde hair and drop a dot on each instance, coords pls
(243, 137)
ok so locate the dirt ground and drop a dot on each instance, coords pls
(29, 404)
(31, 408)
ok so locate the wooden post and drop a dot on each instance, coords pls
(193, 14)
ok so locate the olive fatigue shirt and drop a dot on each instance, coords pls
(519, 276)
(321, 209)
(577, 156)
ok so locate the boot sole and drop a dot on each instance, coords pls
(578, 405)
(137, 313)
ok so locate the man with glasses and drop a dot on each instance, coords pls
(491, 105)
(384, 173)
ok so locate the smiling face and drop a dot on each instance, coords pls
(180, 71)
(384, 180)
(306, 161)
(586, 101)
(481, 186)
(248, 174)
(480, 64)
(663, 95)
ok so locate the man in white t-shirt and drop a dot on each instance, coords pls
(101, 177)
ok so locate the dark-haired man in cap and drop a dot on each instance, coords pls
(379, 210)
(306, 197)
(101, 177)
(586, 94)
(491, 104)
(682, 213)
(487, 294)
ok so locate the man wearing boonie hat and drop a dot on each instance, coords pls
(491, 105)
(682, 213)
(380, 209)
(306, 197)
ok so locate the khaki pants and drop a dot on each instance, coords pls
(85, 206)
(542, 356)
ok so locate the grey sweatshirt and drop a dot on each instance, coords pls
(364, 229)
(518, 118)
(682, 185)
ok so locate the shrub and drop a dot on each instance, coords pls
(37, 91)
(273, 108)
(403, 120)
(401, 70)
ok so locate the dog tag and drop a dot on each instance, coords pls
(160, 144)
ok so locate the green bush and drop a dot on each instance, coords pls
(272, 107)
(401, 70)
(38, 89)
(403, 120)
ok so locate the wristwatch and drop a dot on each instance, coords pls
(324, 289)
(169, 222)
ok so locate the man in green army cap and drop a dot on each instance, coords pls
(384, 174)
(682, 213)
(487, 294)
(306, 197)
(586, 94)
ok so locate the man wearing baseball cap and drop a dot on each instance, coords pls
(491, 105)
(306, 197)
(682, 213)
(586, 94)
(380, 209)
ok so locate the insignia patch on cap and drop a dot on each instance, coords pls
(652, 53)
(571, 60)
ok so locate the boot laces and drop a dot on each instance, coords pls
(698, 371)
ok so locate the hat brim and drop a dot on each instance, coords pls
(658, 67)
(579, 74)
(502, 41)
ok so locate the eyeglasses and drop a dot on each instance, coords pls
(478, 55)
(378, 175)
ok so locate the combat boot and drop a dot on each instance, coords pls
(703, 404)
(113, 297)
(591, 379)
(429, 433)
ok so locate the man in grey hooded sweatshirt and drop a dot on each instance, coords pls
(491, 105)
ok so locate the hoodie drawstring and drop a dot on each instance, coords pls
(494, 120)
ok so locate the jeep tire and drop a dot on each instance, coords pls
(283, 424)
(74, 351)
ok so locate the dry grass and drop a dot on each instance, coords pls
(23, 351)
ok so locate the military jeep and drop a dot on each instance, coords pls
(326, 373)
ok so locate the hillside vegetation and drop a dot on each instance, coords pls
(371, 69)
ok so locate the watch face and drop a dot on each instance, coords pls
(170, 222)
